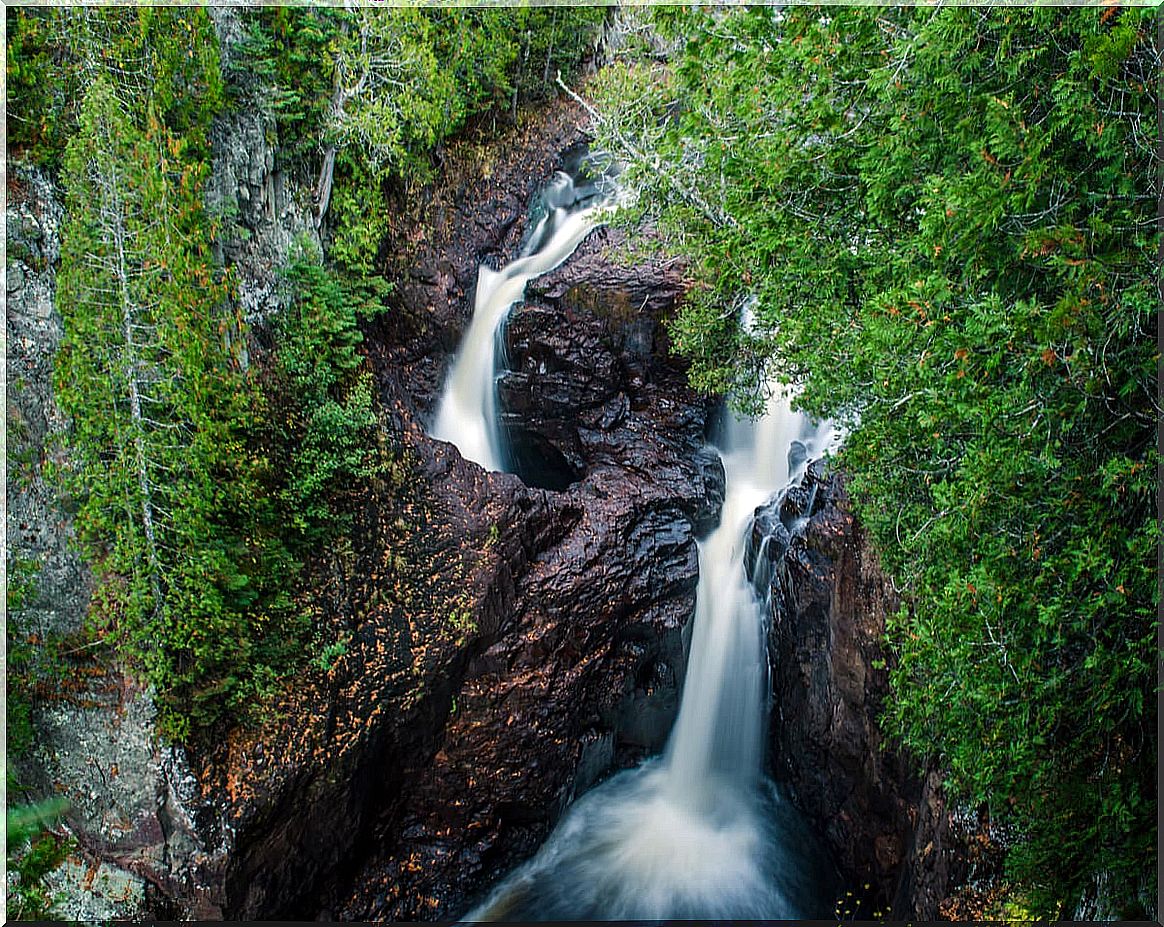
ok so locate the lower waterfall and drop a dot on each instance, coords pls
(699, 833)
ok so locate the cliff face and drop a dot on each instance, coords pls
(572, 652)
(146, 842)
(92, 730)
(903, 848)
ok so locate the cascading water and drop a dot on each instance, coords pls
(698, 833)
(467, 415)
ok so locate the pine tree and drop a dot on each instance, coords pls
(172, 504)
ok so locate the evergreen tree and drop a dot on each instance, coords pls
(367, 95)
(171, 502)
(945, 223)
(320, 419)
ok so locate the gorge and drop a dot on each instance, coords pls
(504, 613)
(623, 563)
(696, 834)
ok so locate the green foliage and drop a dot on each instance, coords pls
(286, 61)
(170, 507)
(947, 222)
(22, 584)
(329, 657)
(195, 479)
(26, 822)
(321, 405)
(376, 91)
(359, 217)
(33, 852)
(53, 55)
(38, 97)
(408, 79)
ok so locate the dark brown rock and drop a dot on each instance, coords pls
(591, 382)
(506, 645)
(539, 712)
(439, 236)
(889, 826)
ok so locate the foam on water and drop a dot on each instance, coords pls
(628, 851)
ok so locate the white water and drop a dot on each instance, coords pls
(699, 833)
(718, 735)
(467, 415)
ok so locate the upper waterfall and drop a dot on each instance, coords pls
(467, 414)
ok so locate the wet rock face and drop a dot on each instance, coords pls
(888, 827)
(574, 665)
(590, 382)
(507, 644)
(580, 652)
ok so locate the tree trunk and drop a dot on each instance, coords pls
(115, 225)
(550, 49)
(323, 188)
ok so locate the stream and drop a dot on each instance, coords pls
(699, 831)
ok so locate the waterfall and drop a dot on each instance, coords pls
(700, 832)
(718, 734)
(467, 414)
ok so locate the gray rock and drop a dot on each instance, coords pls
(93, 890)
(38, 528)
(264, 217)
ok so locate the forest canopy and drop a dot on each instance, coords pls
(943, 223)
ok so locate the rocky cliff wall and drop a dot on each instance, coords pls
(503, 645)
(146, 842)
(92, 739)
(904, 850)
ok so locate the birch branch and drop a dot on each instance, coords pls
(688, 195)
